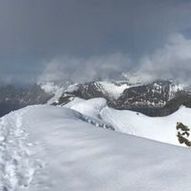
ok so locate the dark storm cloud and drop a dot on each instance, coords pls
(35, 30)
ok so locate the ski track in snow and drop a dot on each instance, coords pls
(16, 166)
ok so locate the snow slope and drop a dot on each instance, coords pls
(75, 155)
(157, 128)
(91, 107)
(161, 129)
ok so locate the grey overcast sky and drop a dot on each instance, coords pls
(40, 37)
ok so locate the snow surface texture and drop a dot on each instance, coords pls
(161, 129)
(16, 166)
(78, 156)
(90, 111)
(91, 107)
(157, 128)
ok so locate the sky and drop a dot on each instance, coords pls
(80, 40)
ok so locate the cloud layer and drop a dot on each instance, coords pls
(85, 69)
(172, 61)
(88, 39)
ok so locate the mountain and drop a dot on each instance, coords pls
(158, 98)
(82, 137)
(16, 97)
(52, 148)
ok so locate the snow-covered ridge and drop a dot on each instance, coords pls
(39, 133)
(78, 156)
(91, 107)
(89, 111)
(161, 129)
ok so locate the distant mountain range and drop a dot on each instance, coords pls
(15, 97)
(158, 98)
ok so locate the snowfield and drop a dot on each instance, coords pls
(48, 148)
(161, 129)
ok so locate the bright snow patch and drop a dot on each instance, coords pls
(74, 102)
(157, 128)
(91, 107)
(112, 89)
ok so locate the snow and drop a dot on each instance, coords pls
(51, 148)
(16, 166)
(78, 156)
(162, 129)
(91, 107)
(89, 111)
(112, 89)
(75, 101)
